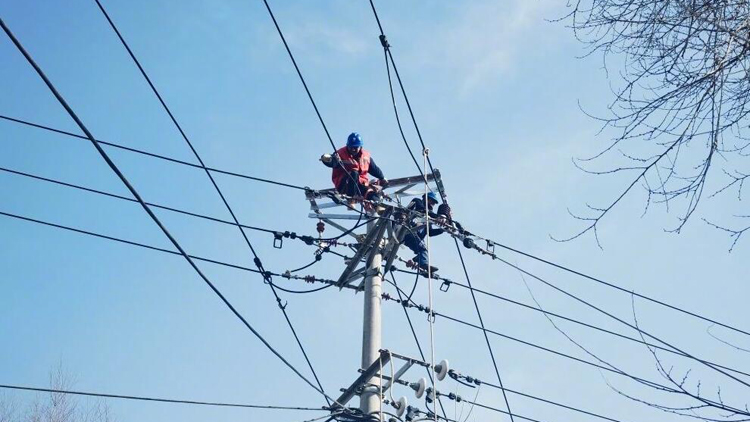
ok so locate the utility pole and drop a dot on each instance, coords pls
(369, 400)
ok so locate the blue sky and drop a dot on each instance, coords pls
(495, 87)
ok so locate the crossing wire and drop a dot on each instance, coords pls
(634, 327)
(168, 251)
(616, 287)
(584, 324)
(401, 294)
(148, 210)
(151, 154)
(403, 92)
(616, 371)
(156, 399)
(501, 245)
(416, 339)
(256, 259)
(389, 54)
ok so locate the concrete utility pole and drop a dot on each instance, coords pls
(369, 401)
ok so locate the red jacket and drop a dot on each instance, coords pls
(360, 165)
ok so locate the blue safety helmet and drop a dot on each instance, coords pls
(354, 140)
(432, 195)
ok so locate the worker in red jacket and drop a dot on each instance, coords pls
(351, 166)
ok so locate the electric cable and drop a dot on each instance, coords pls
(486, 337)
(171, 252)
(487, 407)
(503, 389)
(148, 210)
(154, 155)
(423, 308)
(509, 248)
(406, 97)
(637, 329)
(386, 46)
(414, 334)
(585, 324)
(156, 399)
(256, 258)
(614, 286)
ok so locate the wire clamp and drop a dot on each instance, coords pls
(446, 285)
(278, 240)
(282, 307)
(384, 41)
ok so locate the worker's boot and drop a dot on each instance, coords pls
(423, 267)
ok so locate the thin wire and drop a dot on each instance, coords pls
(395, 108)
(536, 346)
(406, 97)
(146, 208)
(155, 399)
(637, 329)
(256, 259)
(168, 251)
(504, 389)
(585, 324)
(125, 198)
(431, 316)
(526, 254)
(481, 322)
(414, 333)
(154, 155)
(614, 286)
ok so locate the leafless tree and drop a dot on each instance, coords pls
(55, 407)
(680, 107)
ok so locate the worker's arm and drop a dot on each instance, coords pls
(330, 160)
(375, 170)
(435, 231)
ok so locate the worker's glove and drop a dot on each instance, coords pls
(326, 158)
(383, 182)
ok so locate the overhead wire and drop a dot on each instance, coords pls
(403, 91)
(148, 210)
(389, 54)
(620, 320)
(405, 304)
(499, 244)
(154, 155)
(156, 399)
(486, 337)
(286, 275)
(584, 324)
(616, 287)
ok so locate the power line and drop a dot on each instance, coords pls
(422, 308)
(299, 73)
(509, 248)
(256, 258)
(575, 321)
(484, 406)
(499, 387)
(403, 92)
(486, 337)
(156, 399)
(146, 208)
(153, 155)
(167, 251)
(634, 327)
(614, 286)
(414, 334)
